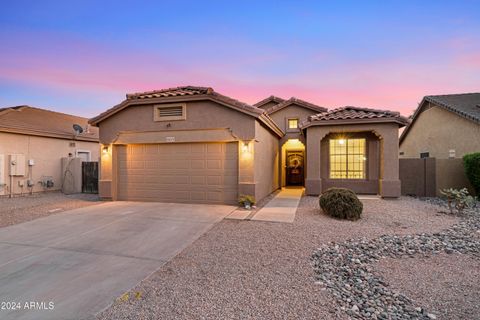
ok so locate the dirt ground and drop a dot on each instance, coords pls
(29, 207)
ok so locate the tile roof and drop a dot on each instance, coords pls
(466, 105)
(272, 98)
(170, 92)
(41, 122)
(186, 93)
(296, 101)
(355, 115)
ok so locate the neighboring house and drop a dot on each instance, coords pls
(443, 127)
(192, 144)
(32, 143)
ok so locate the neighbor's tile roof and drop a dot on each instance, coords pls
(354, 114)
(296, 101)
(41, 122)
(464, 104)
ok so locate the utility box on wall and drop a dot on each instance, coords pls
(16, 164)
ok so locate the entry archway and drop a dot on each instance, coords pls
(293, 163)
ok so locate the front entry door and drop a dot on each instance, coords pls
(294, 168)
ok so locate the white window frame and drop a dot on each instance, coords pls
(157, 118)
(89, 158)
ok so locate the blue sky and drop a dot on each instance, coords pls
(83, 57)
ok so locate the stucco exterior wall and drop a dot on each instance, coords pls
(199, 115)
(388, 182)
(437, 131)
(46, 153)
(266, 162)
(268, 105)
(203, 118)
(292, 111)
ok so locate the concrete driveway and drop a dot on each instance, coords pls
(83, 259)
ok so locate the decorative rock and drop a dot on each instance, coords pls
(345, 269)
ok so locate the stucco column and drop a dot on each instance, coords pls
(246, 169)
(106, 172)
(313, 181)
(390, 185)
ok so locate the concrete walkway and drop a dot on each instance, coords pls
(282, 208)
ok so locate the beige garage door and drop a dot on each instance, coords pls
(181, 172)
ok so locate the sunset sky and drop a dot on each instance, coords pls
(83, 58)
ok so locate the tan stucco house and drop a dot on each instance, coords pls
(193, 144)
(443, 127)
(32, 143)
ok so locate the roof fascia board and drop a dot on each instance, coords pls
(128, 102)
(30, 132)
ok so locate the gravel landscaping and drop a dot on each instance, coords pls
(439, 283)
(261, 270)
(29, 207)
(347, 271)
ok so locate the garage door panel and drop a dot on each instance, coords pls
(186, 172)
(199, 180)
(197, 164)
(214, 180)
(214, 164)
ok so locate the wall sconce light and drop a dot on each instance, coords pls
(245, 147)
(105, 149)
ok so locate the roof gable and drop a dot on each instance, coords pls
(466, 105)
(264, 102)
(41, 122)
(187, 93)
(353, 115)
(298, 102)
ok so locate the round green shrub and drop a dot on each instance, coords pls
(471, 163)
(341, 203)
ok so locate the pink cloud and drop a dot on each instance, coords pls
(397, 83)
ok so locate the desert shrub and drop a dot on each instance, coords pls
(471, 163)
(246, 201)
(341, 203)
(458, 199)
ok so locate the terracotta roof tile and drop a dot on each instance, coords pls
(180, 92)
(355, 114)
(41, 122)
(272, 98)
(186, 93)
(296, 101)
(192, 91)
(170, 92)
